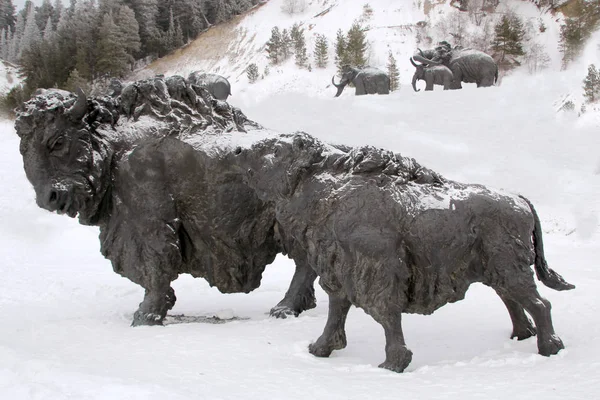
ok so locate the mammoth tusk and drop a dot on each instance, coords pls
(426, 60)
(333, 81)
(413, 63)
(421, 52)
(79, 109)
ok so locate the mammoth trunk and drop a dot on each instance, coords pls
(340, 87)
(414, 83)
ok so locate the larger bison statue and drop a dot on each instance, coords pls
(382, 232)
(116, 163)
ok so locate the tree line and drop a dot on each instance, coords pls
(92, 40)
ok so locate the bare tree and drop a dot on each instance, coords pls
(482, 38)
(536, 58)
(453, 26)
(293, 6)
(476, 11)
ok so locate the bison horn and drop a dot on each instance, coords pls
(79, 109)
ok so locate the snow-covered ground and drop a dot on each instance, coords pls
(65, 330)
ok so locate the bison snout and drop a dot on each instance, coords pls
(54, 199)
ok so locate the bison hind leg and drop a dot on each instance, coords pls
(334, 334)
(523, 328)
(527, 296)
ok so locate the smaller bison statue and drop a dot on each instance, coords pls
(391, 237)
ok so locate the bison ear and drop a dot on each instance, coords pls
(79, 109)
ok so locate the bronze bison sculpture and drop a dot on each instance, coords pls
(181, 195)
(111, 161)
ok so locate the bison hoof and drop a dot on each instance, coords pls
(523, 334)
(551, 346)
(397, 361)
(140, 318)
(323, 347)
(320, 351)
(283, 312)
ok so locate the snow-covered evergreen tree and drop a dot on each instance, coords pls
(273, 46)
(508, 39)
(286, 44)
(591, 85)
(128, 31)
(252, 73)
(321, 52)
(299, 44)
(356, 48)
(112, 56)
(393, 72)
(341, 54)
(7, 15)
(31, 32)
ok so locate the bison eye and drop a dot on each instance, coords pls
(58, 144)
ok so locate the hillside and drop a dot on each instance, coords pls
(399, 27)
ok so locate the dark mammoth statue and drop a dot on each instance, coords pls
(367, 80)
(218, 86)
(381, 231)
(432, 75)
(117, 163)
(467, 65)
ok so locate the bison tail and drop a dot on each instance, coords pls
(548, 276)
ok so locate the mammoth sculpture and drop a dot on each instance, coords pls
(217, 85)
(467, 65)
(117, 163)
(367, 80)
(381, 231)
(434, 75)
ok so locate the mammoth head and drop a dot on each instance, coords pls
(348, 75)
(63, 161)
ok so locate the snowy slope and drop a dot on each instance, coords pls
(65, 330)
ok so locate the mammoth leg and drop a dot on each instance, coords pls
(301, 294)
(360, 87)
(153, 309)
(522, 326)
(429, 83)
(486, 82)
(456, 80)
(333, 336)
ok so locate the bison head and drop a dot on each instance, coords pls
(63, 159)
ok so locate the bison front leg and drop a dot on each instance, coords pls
(397, 355)
(301, 294)
(153, 309)
(334, 335)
